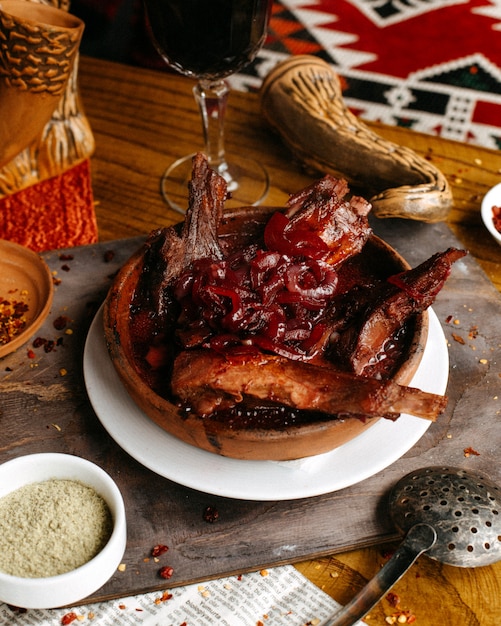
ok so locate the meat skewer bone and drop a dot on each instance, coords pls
(206, 381)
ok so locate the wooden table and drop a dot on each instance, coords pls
(142, 121)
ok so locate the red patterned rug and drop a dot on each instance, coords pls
(430, 65)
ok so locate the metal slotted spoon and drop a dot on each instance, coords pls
(451, 514)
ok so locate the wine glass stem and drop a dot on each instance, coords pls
(212, 97)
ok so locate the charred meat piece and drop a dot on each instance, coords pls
(403, 296)
(175, 252)
(206, 381)
(322, 209)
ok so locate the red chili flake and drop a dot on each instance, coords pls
(470, 452)
(164, 597)
(49, 345)
(210, 515)
(66, 257)
(449, 319)
(496, 217)
(65, 268)
(61, 322)
(56, 281)
(38, 342)
(68, 618)
(458, 338)
(239, 577)
(108, 256)
(159, 549)
(393, 599)
(166, 572)
(473, 334)
(31, 354)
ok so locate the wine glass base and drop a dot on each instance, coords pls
(248, 182)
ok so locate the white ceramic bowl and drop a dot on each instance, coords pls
(491, 198)
(75, 585)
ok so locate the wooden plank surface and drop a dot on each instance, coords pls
(44, 407)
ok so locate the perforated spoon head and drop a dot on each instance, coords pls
(463, 508)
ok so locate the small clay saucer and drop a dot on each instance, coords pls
(24, 276)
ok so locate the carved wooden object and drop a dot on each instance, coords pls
(43, 131)
(302, 100)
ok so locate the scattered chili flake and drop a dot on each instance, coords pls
(166, 572)
(66, 257)
(458, 338)
(68, 618)
(470, 452)
(159, 549)
(31, 354)
(393, 599)
(63, 371)
(108, 256)
(473, 334)
(449, 319)
(210, 514)
(264, 573)
(49, 345)
(165, 596)
(61, 322)
(122, 606)
(56, 281)
(65, 268)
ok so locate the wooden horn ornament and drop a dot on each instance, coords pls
(302, 100)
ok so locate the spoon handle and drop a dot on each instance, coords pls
(419, 539)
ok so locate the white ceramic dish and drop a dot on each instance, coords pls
(204, 471)
(73, 586)
(491, 198)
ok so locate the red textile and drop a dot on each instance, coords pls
(55, 213)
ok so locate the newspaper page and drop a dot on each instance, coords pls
(279, 596)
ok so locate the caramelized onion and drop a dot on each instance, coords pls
(271, 298)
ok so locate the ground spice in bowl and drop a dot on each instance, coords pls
(51, 527)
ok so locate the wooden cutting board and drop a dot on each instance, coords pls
(44, 407)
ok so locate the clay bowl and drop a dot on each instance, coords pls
(280, 443)
(25, 277)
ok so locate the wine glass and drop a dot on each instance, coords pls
(209, 40)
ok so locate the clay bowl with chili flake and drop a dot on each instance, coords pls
(26, 279)
(491, 200)
(251, 440)
(29, 589)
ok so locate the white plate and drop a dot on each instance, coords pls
(364, 456)
(491, 198)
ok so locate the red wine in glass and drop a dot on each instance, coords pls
(209, 40)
